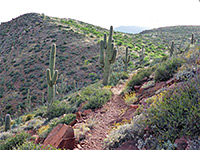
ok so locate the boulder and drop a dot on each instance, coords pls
(181, 143)
(62, 136)
(128, 145)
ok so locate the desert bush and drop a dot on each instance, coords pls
(97, 99)
(137, 78)
(92, 96)
(58, 108)
(5, 135)
(14, 141)
(184, 75)
(31, 146)
(130, 98)
(34, 123)
(43, 131)
(166, 70)
(176, 113)
(67, 119)
(115, 77)
(125, 132)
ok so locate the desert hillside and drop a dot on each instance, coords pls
(150, 100)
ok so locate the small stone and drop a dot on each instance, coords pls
(134, 106)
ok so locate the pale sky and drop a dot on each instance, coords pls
(145, 13)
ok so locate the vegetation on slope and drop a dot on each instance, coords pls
(25, 44)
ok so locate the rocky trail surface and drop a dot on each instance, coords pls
(112, 112)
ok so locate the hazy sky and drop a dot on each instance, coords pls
(145, 13)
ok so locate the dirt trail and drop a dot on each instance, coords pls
(104, 117)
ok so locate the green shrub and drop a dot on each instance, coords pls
(132, 131)
(137, 79)
(93, 96)
(176, 113)
(115, 77)
(14, 141)
(98, 98)
(67, 119)
(31, 146)
(166, 70)
(58, 108)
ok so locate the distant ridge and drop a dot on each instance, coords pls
(130, 29)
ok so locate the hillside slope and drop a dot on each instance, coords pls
(25, 43)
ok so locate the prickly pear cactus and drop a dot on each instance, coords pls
(126, 60)
(52, 76)
(107, 55)
(7, 122)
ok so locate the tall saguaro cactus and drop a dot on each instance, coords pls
(142, 56)
(7, 122)
(107, 55)
(171, 49)
(28, 101)
(126, 60)
(192, 39)
(52, 76)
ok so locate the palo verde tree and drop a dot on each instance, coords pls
(107, 55)
(52, 76)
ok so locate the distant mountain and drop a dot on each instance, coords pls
(130, 29)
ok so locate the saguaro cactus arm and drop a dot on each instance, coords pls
(101, 60)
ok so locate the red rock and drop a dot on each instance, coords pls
(128, 145)
(78, 116)
(134, 106)
(62, 136)
(170, 81)
(144, 79)
(137, 87)
(181, 143)
(86, 112)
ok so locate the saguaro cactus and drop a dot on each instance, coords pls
(171, 50)
(28, 101)
(142, 56)
(107, 55)
(52, 76)
(126, 60)
(62, 87)
(192, 39)
(7, 122)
